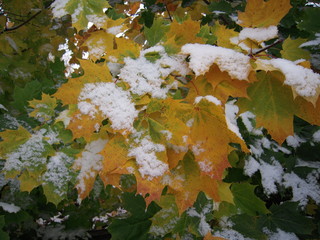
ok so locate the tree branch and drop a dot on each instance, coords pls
(25, 22)
(168, 13)
(266, 48)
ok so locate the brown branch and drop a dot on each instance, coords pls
(25, 22)
(21, 24)
(266, 48)
(168, 12)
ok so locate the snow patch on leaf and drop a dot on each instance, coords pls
(90, 162)
(145, 154)
(203, 56)
(113, 102)
(149, 76)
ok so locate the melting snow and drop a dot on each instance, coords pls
(11, 208)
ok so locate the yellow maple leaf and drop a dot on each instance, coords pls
(224, 86)
(211, 138)
(123, 47)
(186, 181)
(260, 13)
(307, 111)
(224, 35)
(69, 92)
(115, 154)
(98, 43)
(181, 34)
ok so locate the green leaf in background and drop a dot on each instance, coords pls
(310, 22)
(81, 10)
(206, 34)
(164, 221)
(287, 217)
(3, 235)
(246, 200)
(23, 95)
(292, 51)
(187, 3)
(221, 6)
(156, 32)
(136, 226)
(155, 129)
(248, 226)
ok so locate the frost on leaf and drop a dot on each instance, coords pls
(203, 56)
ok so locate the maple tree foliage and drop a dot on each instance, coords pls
(159, 119)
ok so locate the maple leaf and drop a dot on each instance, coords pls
(12, 139)
(186, 181)
(291, 49)
(273, 104)
(260, 13)
(89, 164)
(44, 108)
(180, 34)
(82, 12)
(224, 86)
(83, 125)
(307, 111)
(98, 43)
(224, 35)
(115, 154)
(70, 91)
(211, 138)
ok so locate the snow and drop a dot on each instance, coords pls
(302, 189)
(316, 136)
(145, 154)
(280, 235)
(146, 77)
(98, 21)
(231, 110)
(251, 166)
(304, 81)
(202, 56)
(58, 172)
(258, 34)
(203, 227)
(230, 234)
(209, 98)
(58, 8)
(294, 141)
(66, 57)
(90, 162)
(30, 154)
(10, 208)
(113, 102)
(315, 42)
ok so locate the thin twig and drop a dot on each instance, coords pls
(25, 22)
(168, 12)
(267, 47)
(20, 25)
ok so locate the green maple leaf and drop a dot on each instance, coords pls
(272, 103)
(156, 32)
(81, 11)
(292, 51)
